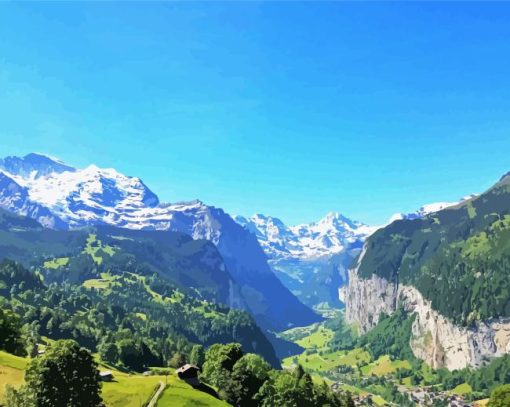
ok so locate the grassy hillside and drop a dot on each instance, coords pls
(320, 354)
(127, 389)
(132, 390)
(127, 306)
(180, 394)
(384, 366)
(327, 360)
(11, 371)
(74, 256)
(322, 359)
(318, 339)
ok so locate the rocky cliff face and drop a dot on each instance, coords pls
(435, 339)
(366, 300)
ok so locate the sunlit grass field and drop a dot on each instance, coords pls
(126, 390)
(180, 394)
(318, 339)
(11, 371)
(329, 360)
(129, 390)
(384, 365)
(462, 389)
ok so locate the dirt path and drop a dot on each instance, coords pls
(156, 396)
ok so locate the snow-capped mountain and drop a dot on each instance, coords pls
(60, 196)
(15, 198)
(310, 259)
(91, 195)
(330, 235)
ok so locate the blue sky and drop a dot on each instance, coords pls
(288, 109)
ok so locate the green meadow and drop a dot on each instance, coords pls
(126, 389)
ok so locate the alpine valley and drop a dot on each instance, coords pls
(62, 197)
(310, 259)
(96, 271)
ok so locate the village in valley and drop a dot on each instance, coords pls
(384, 381)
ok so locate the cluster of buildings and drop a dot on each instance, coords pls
(425, 396)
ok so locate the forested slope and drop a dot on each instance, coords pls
(159, 292)
(458, 258)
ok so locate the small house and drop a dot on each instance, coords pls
(106, 376)
(189, 373)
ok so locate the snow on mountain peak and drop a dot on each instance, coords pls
(332, 216)
(94, 195)
(428, 209)
(328, 236)
(78, 196)
(335, 220)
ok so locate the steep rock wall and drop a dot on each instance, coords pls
(435, 339)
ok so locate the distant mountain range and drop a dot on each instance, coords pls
(60, 196)
(312, 259)
(330, 235)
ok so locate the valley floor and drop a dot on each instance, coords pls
(381, 381)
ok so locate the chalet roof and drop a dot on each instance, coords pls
(187, 367)
(106, 373)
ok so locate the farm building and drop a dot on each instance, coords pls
(106, 376)
(188, 373)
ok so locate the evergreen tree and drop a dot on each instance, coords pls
(248, 375)
(108, 352)
(10, 333)
(197, 356)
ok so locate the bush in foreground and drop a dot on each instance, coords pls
(500, 397)
(65, 375)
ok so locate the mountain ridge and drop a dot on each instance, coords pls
(307, 241)
(93, 196)
(449, 268)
